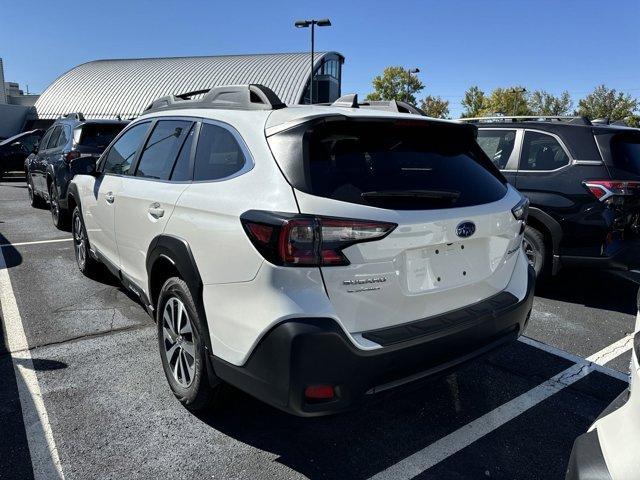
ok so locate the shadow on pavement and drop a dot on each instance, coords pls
(392, 426)
(591, 288)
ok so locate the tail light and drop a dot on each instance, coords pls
(521, 210)
(71, 156)
(604, 189)
(308, 240)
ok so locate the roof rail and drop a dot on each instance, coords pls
(351, 101)
(234, 97)
(529, 118)
(75, 116)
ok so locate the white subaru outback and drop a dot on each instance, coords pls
(308, 255)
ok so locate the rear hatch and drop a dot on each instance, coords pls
(455, 238)
(93, 138)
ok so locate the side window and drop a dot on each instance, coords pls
(122, 153)
(498, 145)
(181, 168)
(542, 152)
(45, 139)
(63, 138)
(218, 154)
(53, 140)
(31, 141)
(160, 152)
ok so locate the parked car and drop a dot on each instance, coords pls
(308, 255)
(68, 147)
(14, 150)
(583, 181)
(609, 450)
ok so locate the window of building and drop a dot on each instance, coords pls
(218, 154)
(160, 152)
(541, 151)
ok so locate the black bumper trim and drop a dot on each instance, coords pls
(587, 461)
(312, 351)
(477, 312)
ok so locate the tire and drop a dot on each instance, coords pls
(535, 249)
(35, 200)
(86, 263)
(59, 215)
(182, 348)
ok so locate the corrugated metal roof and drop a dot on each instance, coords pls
(107, 88)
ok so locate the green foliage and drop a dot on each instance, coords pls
(607, 103)
(544, 103)
(435, 107)
(507, 101)
(396, 83)
(473, 102)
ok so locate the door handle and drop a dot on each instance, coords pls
(109, 197)
(155, 210)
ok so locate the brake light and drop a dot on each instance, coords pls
(604, 189)
(71, 156)
(521, 210)
(307, 240)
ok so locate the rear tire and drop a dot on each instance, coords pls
(59, 215)
(535, 250)
(182, 347)
(86, 263)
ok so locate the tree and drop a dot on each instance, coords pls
(544, 103)
(507, 101)
(396, 83)
(607, 103)
(473, 102)
(435, 107)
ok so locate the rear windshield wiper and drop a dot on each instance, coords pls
(435, 194)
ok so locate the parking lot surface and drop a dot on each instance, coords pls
(84, 395)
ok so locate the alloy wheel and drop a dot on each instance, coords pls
(534, 256)
(79, 243)
(179, 342)
(53, 203)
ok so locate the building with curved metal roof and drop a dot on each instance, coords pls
(124, 88)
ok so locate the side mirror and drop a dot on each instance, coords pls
(92, 166)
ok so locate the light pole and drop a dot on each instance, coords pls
(516, 99)
(325, 22)
(406, 92)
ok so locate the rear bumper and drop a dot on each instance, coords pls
(303, 352)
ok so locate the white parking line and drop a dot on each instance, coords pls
(42, 446)
(35, 243)
(438, 451)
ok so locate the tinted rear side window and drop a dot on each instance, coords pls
(218, 154)
(397, 165)
(98, 135)
(160, 152)
(498, 145)
(625, 152)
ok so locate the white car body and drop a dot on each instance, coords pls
(420, 270)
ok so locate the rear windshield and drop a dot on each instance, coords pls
(625, 152)
(98, 135)
(389, 164)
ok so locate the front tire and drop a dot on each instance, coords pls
(535, 250)
(86, 263)
(182, 348)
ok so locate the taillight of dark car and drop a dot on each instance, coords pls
(71, 156)
(308, 240)
(606, 189)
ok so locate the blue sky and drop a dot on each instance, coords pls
(552, 45)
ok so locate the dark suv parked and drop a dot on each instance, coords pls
(14, 150)
(583, 181)
(68, 147)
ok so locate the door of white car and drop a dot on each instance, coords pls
(99, 214)
(147, 198)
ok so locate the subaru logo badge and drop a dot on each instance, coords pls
(465, 229)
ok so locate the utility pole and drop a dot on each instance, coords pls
(325, 22)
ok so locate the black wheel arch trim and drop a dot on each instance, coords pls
(550, 224)
(177, 251)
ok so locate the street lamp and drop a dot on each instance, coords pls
(325, 22)
(406, 93)
(516, 99)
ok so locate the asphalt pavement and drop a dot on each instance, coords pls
(110, 413)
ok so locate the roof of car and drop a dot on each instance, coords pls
(549, 125)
